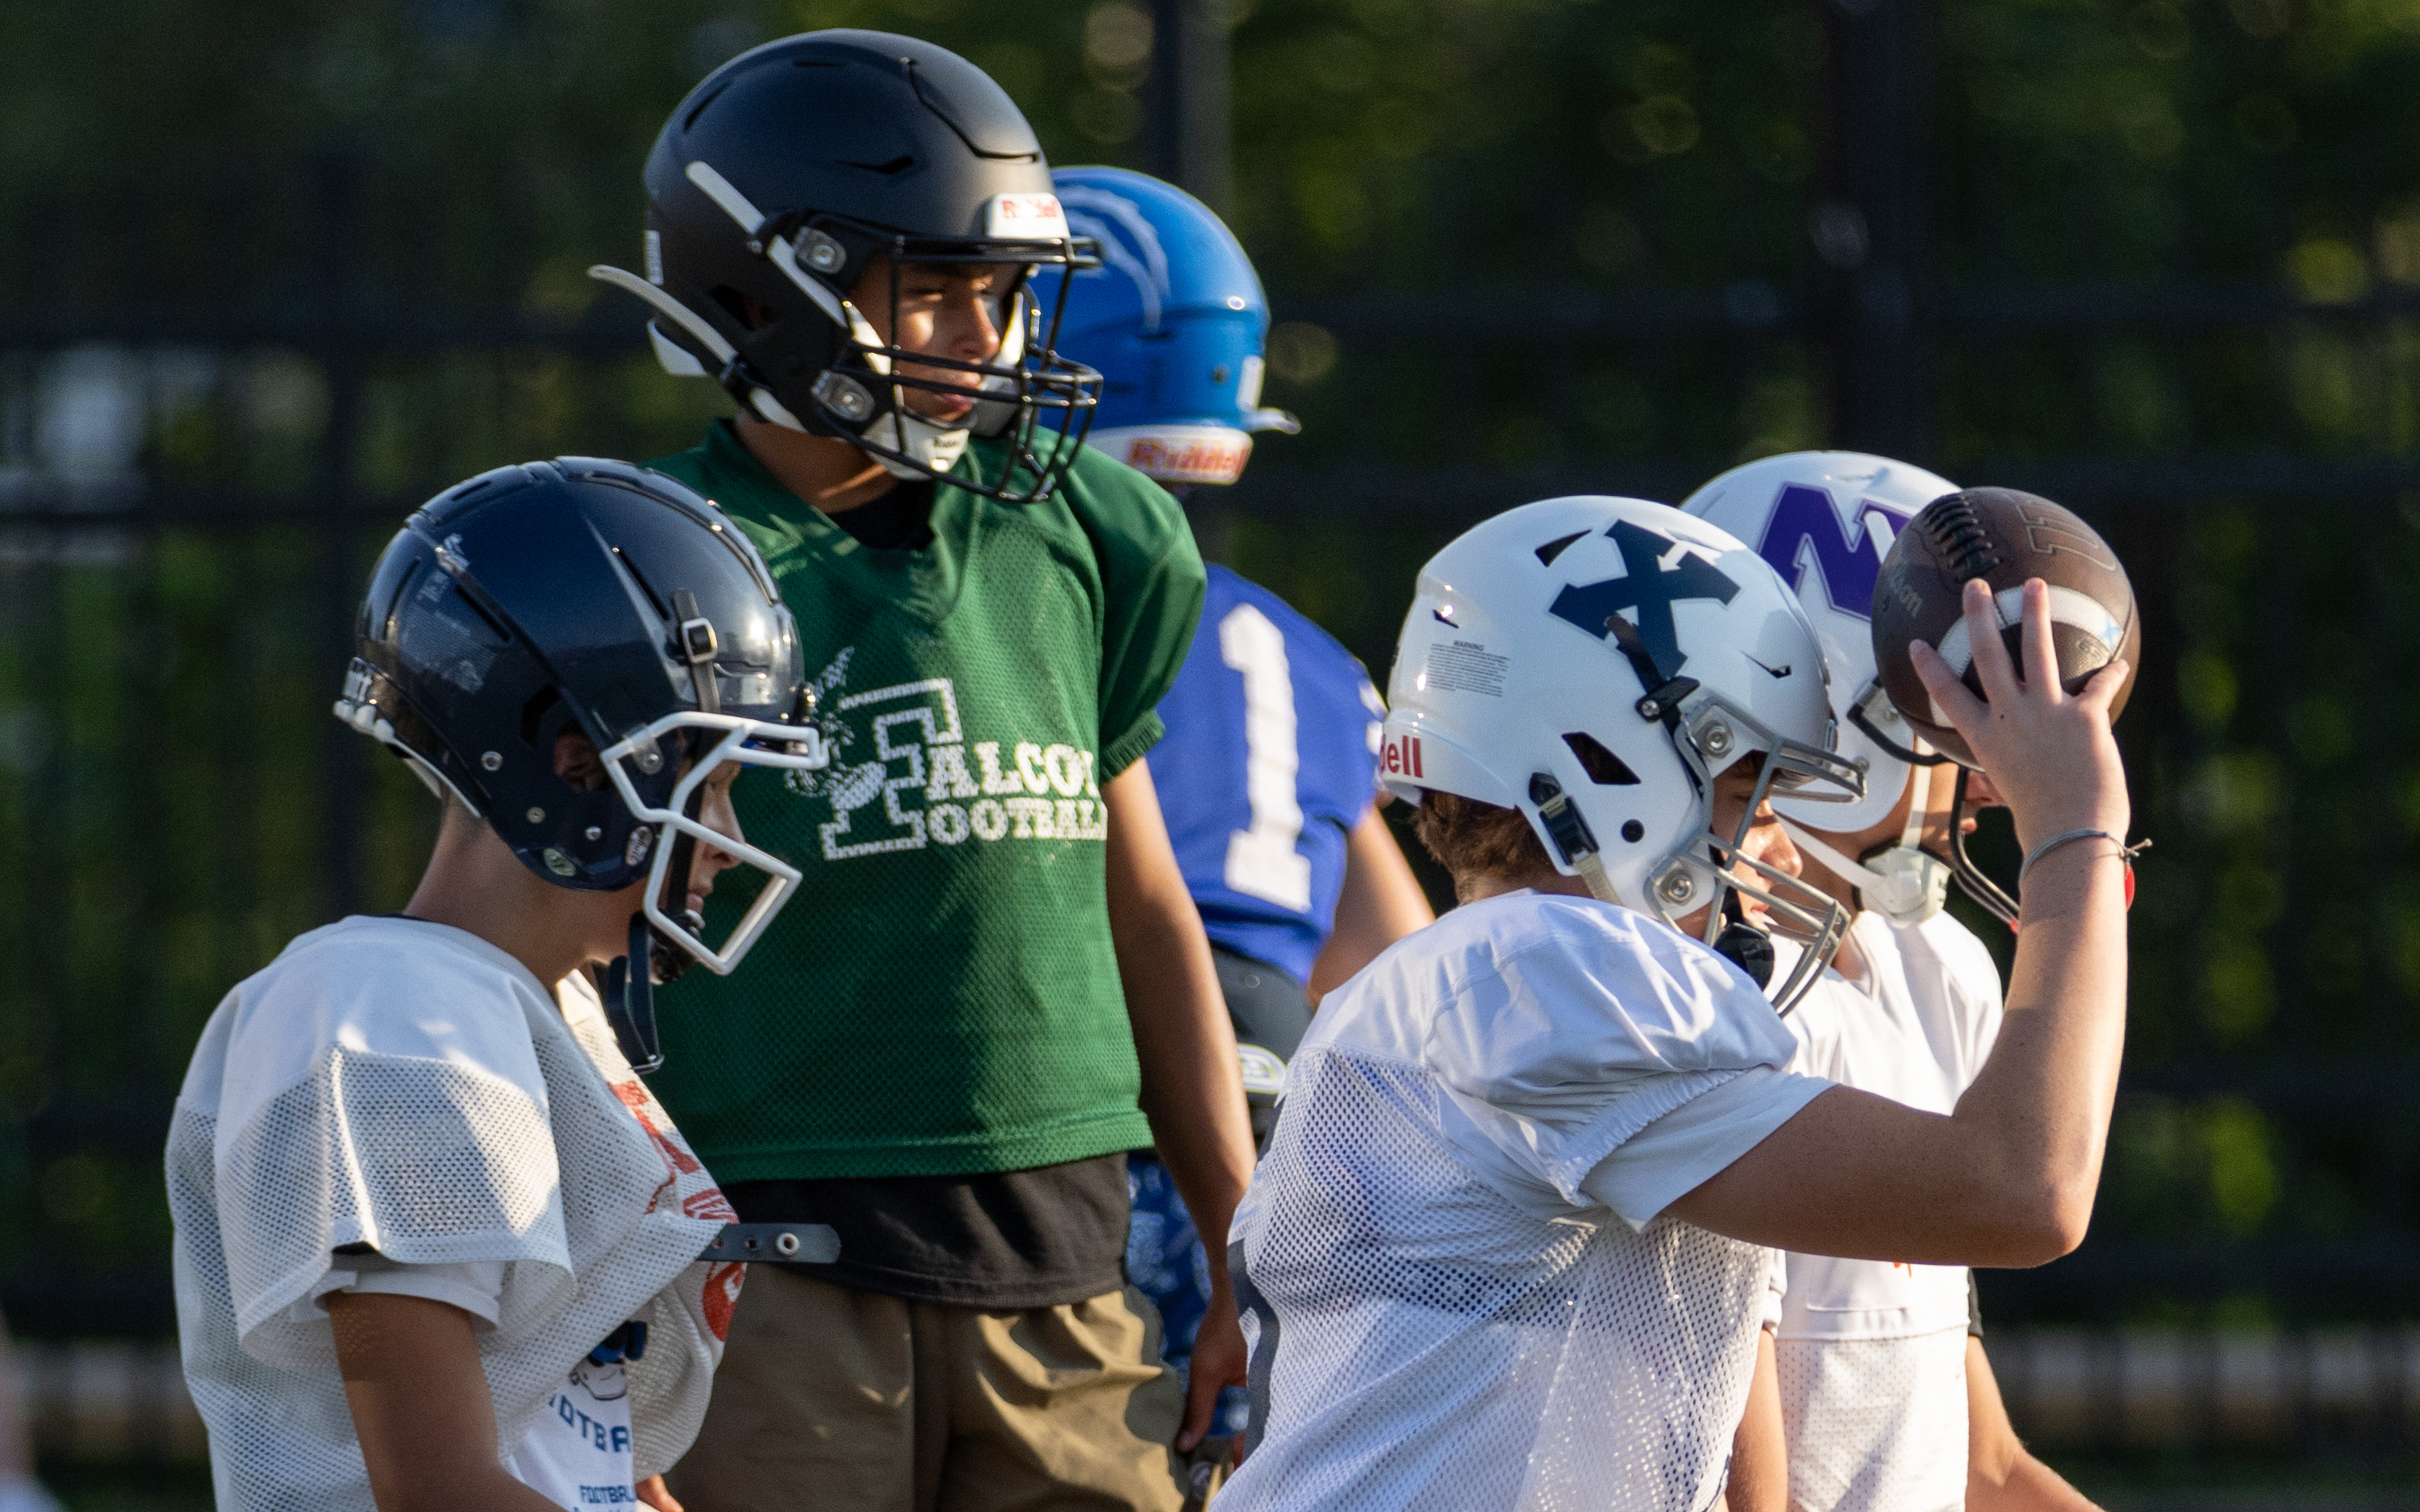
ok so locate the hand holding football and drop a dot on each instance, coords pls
(2004, 537)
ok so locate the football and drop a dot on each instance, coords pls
(2004, 537)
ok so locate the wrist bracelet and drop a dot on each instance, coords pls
(2125, 853)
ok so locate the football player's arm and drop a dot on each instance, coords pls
(2008, 1178)
(421, 1406)
(1381, 902)
(1760, 1477)
(1193, 1085)
(2001, 1474)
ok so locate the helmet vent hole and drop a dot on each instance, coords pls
(535, 711)
(1633, 831)
(1602, 767)
(654, 600)
(691, 123)
(1548, 552)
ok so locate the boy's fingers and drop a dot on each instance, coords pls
(2099, 690)
(1201, 1401)
(1992, 668)
(2041, 653)
(1963, 710)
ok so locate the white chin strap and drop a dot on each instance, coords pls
(913, 436)
(1905, 883)
(903, 430)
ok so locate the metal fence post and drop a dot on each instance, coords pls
(1187, 136)
(340, 224)
(1868, 219)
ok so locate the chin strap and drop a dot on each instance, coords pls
(923, 448)
(629, 998)
(1745, 946)
(1904, 883)
(1570, 831)
(1972, 880)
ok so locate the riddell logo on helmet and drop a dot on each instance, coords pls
(1400, 756)
(1026, 217)
(1190, 458)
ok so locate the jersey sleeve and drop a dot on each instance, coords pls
(475, 1287)
(1152, 587)
(376, 1101)
(1682, 1150)
(1571, 1047)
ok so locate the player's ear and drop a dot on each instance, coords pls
(576, 762)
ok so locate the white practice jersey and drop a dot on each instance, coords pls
(1872, 1356)
(397, 1105)
(1460, 1294)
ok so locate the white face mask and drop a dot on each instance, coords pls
(1904, 883)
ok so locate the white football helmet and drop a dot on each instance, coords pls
(1824, 521)
(1595, 663)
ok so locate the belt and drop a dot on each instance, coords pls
(786, 1244)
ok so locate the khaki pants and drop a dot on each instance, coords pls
(858, 1402)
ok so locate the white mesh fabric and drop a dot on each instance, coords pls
(315, 1168)
(1873, 1355)
(1875, 1424)
(1439, 1345)
(405, 1086)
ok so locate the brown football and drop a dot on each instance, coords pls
(2004, 537)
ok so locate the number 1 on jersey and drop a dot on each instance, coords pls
(1261, 861)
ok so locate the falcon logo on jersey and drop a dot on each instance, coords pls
(1649, 589)
(1848, 558)
(1400, 756)
(1024, 788)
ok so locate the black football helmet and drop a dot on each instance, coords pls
(587, 596)
(793, 167)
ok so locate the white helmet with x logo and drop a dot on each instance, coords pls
(1595, 663)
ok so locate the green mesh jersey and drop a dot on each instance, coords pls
(941, 998)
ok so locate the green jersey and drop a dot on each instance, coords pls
(942, 997)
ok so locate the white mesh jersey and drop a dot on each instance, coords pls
(1460, 1294)
(1872, 1356)
(408, 1086)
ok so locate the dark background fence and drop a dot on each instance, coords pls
(274, 276)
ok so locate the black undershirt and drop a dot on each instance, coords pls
(1002, 1241)
(1012, 1239)
(900, 520)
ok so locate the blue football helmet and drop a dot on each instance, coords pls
(591, 598)
(1173, 318)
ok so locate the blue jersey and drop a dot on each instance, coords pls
(1271, 758)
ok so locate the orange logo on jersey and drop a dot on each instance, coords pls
(721, 1295)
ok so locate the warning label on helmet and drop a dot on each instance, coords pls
(1465, 666)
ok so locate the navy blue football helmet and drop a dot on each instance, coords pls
(1174, 317)
(591, 597)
